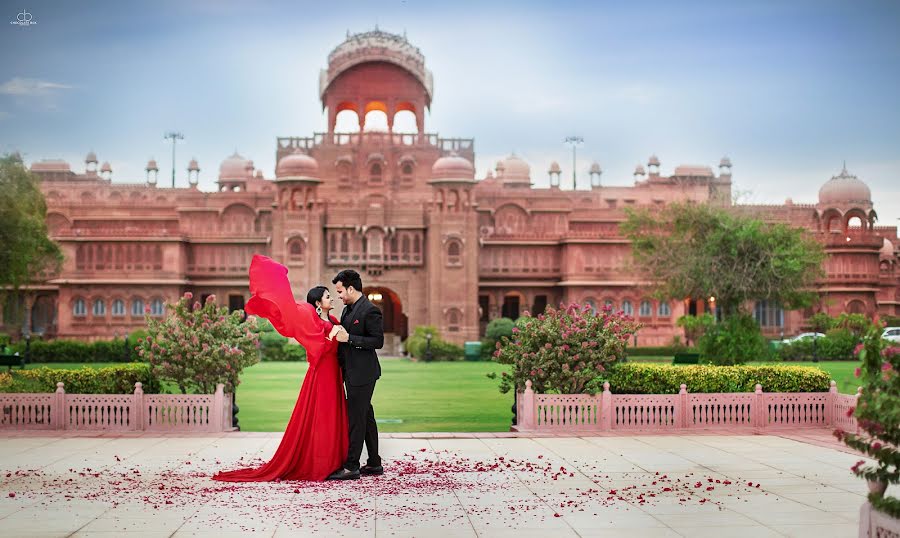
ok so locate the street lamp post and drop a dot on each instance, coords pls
(427, 347)
(574, 141)
(173, 135)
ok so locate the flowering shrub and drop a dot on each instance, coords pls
(564, 351)
(200, 346)
(878, 416)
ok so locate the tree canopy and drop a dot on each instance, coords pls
(691, 250)
(26, 251)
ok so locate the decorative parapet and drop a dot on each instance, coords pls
(117, 412)
(751, 411)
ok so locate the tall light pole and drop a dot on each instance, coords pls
(574, 141)
(174, 136)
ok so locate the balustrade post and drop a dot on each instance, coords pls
(527, 422)
(606, 408)
(832, 403)
(759, 413)
(137, 407)
(856, 406)
(59, 411)
(218, 419)
(681, 408)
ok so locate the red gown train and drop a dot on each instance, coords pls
(315, 441)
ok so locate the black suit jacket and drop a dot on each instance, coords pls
(357, 356)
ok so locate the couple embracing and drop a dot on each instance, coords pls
(333, 415)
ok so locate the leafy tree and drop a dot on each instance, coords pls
(699, 251)
(27, 253)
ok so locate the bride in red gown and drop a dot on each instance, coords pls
(315, 442)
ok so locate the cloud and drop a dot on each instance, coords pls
(30, 87)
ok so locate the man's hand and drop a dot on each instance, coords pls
(343, 335)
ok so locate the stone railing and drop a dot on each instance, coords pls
(683, 411)
(117, 412)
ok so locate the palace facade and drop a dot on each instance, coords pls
(434, 245)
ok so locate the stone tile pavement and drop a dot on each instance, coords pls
(436, 484)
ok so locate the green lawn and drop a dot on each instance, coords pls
(415, 396)
(410, 396)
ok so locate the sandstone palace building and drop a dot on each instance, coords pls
(435, 245)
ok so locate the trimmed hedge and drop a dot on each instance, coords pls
(637, 378)
(109, 380)
(76, 351)
(658, 351)
(274, 347)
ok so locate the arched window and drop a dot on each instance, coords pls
(405, 248)
(137, 307)
(79, 307)
(646, 309)
(407, 169)
(157, 308)
(376, 119)
(627, 308)
(454, 253)
(118, 308)
(609, 303)
(296, 250)
(663, 310)
(405, 122)
(346, 121)
(591, 302)
(417, 247)
(99, 308)
(375, 173)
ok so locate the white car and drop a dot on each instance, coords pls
(891, 333)
(802, 336)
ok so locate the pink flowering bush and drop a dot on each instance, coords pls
(564, 351)
(198, 346)
(878, 416)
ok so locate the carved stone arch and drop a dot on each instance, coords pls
(511, 218)
(453, 318)
(453, 200)
(856, 213)
(57, 222)
(832, 220)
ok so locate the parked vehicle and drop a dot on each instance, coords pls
(892, 334)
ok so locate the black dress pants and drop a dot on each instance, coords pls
(362, 426)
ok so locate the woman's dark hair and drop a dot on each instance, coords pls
(349, 277)
(315, 294)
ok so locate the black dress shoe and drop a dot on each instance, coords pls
(371, 470)
(343, 474)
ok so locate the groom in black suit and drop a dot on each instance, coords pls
(363, 334)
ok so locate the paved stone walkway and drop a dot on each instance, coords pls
(436, 485)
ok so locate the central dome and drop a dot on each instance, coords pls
(845, 189)
(376, 46)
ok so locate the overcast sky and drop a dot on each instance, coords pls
(787, 89)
